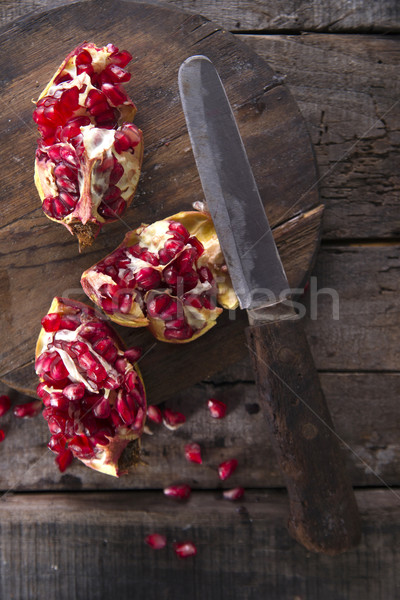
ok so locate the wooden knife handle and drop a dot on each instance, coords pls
(323, 511)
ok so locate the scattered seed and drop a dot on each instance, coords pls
(226, 468)
(217, 408)
(156, 541)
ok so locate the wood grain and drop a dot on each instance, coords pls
(348, 91)
(34, 250)
(268, 15)
(77, 546)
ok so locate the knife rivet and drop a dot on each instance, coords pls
(286, 355)
(309, 431)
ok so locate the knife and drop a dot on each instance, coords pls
(323, 514)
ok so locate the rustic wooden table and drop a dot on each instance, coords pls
(80, 535)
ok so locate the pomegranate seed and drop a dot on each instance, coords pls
(156, 541)
(29, 409)
(172, 419)
(102, 409)
(205, 275)
(83, 58)
(68, 323)
(154, 414)
(58, 370)
(193, 453)
(226, 468)
(5, 404)
(2, 435)
(179, 334)
(57, 443)
(74, 391)
(121, 58)
(158, 304)
(133, 354)
(115, 94)
(197, 245)
(185, 549)
(180, 492)
(217, 408)
(51, 322)
(126, 408)
(64, 459)
(179, 230)
(41, 392)
(234, 494)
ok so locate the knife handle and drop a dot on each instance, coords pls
(323, 511)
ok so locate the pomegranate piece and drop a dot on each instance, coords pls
(89, 155)
(156, 541)
(155, 414)
(227, 468)
(173, 419)
(217, 408)
(167, 276)
(180, 492)
(5, 404)
(233, 494)
(185, 549)
(193, 453)
(28, 410)
(2, 435)
(94, 397)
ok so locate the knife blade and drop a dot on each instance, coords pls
(323, 514)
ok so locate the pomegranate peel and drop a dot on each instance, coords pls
(94, 396)
(167, 276)
(89, 155)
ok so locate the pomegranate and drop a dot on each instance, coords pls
(89, 154)
(167, 276)
(93, 395)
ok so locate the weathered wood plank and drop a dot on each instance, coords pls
(364, 409)
(80, 546)
(348, 91)
(267, 15)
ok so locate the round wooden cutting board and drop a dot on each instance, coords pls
(39, 259)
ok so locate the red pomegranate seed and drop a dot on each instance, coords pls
(158, 304)
(148, 278)
(226, 468)
(179, 334)
(29, 409)
(156, 541)
(83, 58)
(185, 549)
(2, 435)
(115, 94)
(133, 354)
(5, 404)
(173, 419)
(234, 494)
(126, 408)
(68, 323)
(217, 408)
(102, 409)
(193, 453)
(179, 230)
(180, 492)
(64, 459)
(51, 322)
(121, 58)
(58, 370)
(57, 443)
(154, 414)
